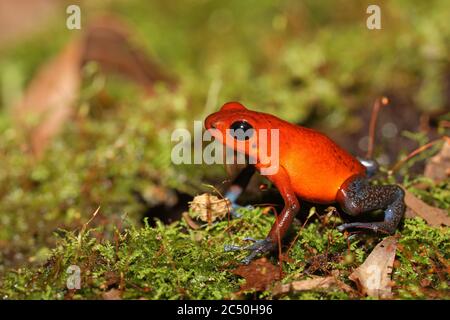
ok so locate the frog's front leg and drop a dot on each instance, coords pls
(357, 196)
(279, 228)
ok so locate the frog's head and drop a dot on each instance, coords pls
(240, 128)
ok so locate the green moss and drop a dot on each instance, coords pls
(175, 262)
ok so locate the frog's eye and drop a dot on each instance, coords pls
(241, 130)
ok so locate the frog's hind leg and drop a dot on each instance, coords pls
(357, 196)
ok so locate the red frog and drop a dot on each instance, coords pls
(310, 167)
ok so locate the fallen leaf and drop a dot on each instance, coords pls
(108, 43)
(311, 284)
(417, 208)
(50, 96)
(373, 277)
(191, 223)
(438, 167)
(209, 208)
(113, 294)
(259, 275)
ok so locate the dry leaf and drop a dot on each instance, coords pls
(189, 221)
(107, 43)
(373, 277)
(207, 207)
(438, 167)
(113, 294)
(311, 284)
(259, 274)
(50, 96)
(417, 208)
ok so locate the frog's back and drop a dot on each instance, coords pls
(316, 165)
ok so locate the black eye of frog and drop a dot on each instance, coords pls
(241, 130)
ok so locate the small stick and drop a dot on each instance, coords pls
(383, 101)
(416, 152)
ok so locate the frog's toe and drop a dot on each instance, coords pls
(232, 247)
(249, 258)
(257, 248)
(377, 227)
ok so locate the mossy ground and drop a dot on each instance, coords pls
(305, 62)
(176, 262)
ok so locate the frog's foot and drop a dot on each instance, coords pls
(378, 227)
(356, 196)
(258, 247)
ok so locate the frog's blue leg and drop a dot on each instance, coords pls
(237, 188)
(357, 196)
(371, 166)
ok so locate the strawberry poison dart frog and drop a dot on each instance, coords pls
(310, 167)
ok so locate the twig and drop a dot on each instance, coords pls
(84, 227)
(416, 152)
(383, 101)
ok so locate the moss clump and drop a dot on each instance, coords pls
(176, 262)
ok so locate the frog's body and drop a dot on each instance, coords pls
(311, 167)
(317, 167)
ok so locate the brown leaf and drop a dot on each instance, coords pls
(438, 167)
(209, 208)
(417, 208)
(107, 42)
(373, 277)
(259, 274)
(50, 96)
(113, 294)
(311, 284)
(191, 223)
